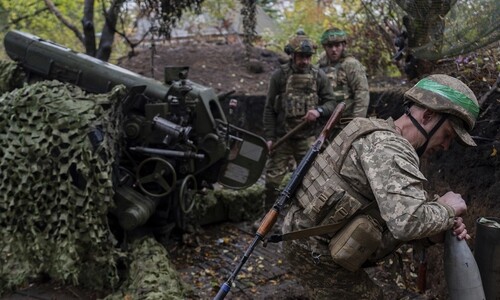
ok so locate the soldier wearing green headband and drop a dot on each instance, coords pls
(367, 186)
(347, 75)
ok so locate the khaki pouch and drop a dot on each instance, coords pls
(354, 243)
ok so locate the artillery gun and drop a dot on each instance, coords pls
(175, 136)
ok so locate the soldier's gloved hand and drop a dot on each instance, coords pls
(311, 115)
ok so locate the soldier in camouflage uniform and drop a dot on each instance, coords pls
(347, 76)
(367, 187)
(297, 92)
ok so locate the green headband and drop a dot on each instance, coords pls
(450, 94)
(336, 33)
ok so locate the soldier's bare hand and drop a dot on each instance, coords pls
(459, 229)
(269, 145)
(311, 115)
(455, 201)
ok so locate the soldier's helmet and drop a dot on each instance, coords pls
(300, 43)
(448, 95)
(333, 35)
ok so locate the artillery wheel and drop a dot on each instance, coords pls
(160, 181)
(186, 193)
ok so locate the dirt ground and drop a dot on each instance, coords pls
(224, 68)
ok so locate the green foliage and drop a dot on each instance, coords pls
(219, 9)
(270, 7)
(360, 21)
(34, 17)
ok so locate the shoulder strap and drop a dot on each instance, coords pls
(317, 230)
(355, 129)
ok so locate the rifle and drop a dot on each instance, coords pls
(272, 215)
(422, 272)
(287, 135)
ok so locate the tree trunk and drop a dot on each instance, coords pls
(88, 28)
(108, 32)
(424, 24)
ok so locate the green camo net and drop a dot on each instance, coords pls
(150, 274)
(55, 185)
(56, 191)
(447, 28)
(11, 76)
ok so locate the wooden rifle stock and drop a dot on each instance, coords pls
(272, 216)
(422, 274)
(288, 135)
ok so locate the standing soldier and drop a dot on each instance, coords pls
(297, 92)
(347, 75)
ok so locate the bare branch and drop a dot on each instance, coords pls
(50, 5)
(493, 89)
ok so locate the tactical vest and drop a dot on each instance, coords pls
(338, 78)
(301, 92)
(326, 198)
(298, 94)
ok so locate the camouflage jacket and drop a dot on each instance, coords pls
(379, 166)
(349, 82)
(275, 121)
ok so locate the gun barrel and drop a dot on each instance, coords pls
(54, 61)
(44, 59)
(169, 153)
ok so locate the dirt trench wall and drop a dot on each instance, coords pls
(249, 111)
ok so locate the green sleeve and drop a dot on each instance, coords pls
(358, 87)
(270, 116)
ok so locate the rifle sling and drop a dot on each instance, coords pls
(317, 230)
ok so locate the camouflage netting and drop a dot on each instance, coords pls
(11, 76)
(55, 185)
(226, 204)
(441, 29)
(150, 274)
(56, 190)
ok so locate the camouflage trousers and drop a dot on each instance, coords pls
(281, 161)
(323, 279)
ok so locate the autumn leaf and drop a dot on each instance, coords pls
(493, 152)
